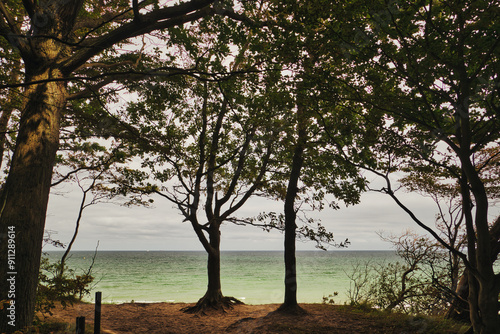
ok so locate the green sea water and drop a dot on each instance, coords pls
(255, 277)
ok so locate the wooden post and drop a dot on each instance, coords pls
(97, 313)
(80, 325)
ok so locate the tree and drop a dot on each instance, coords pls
(292, 190)
(56, 40)
(432, 69)
(319, 132)
(220, 159)
(450, 219)
(222, 128)
(421, 79)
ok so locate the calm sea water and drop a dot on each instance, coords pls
(255, 277)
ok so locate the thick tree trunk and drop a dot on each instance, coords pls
(483, 287)
(459, 310)
(214, 292)
(25, 196)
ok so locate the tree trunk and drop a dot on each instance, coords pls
(213, 298)
(25, 196)
(483, 287)
(290, 260)
(290, 302)
(459, 309)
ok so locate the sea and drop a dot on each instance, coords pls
(254, 277)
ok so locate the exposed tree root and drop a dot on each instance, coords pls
(295, 310)
(206, 304)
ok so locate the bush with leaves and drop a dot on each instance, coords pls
(65, 287)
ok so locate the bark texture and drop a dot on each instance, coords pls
(25, 195)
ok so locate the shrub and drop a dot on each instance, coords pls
(422, 283)
(58, 283)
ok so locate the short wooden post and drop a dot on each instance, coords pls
(97, 313)
(80, 325)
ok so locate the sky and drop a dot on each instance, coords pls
(160, 227)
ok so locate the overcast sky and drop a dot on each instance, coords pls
(161, 228)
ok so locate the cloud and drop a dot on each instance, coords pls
(161, 227)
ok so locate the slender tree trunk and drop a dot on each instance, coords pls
(290, 301)
(290, 231)
(77, 226)
(290, 270)
(213, 298)
(25, 196)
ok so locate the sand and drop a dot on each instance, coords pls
(168, 318)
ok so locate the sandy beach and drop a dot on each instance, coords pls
(168, 318)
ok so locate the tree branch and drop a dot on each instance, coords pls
(14, 28)
(158, 19)
(29, 5)
(241, 160)
(135, 7)
(166, 71)
(389, 192)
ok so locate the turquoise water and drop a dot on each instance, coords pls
(255, 277)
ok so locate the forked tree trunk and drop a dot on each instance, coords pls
(459, 309)
(213, 298)
(25, 196)
(483, 287)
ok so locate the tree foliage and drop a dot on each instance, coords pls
(60, 43)
(227, 100)
(431, 68)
